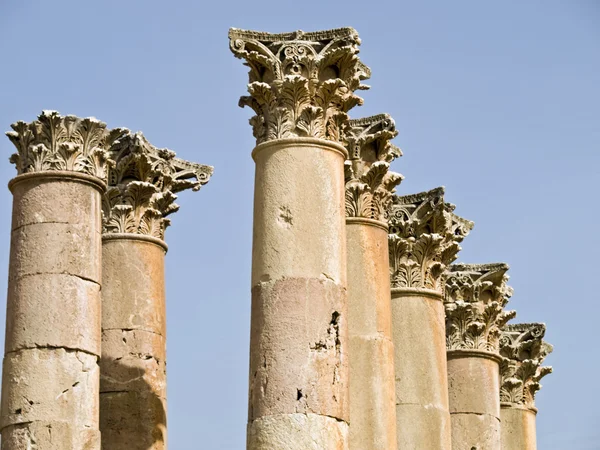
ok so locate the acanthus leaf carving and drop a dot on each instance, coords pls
(423, 239)
(369, 183)
(475, 297)
(523, 351)
(142, 186)
(67, 143)
(311, 76)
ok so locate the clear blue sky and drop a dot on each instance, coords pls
(498, 102)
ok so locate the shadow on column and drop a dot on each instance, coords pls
(132, 415)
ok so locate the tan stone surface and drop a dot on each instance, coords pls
(50, 373)
(473, 385)
(297, 432)
(420, 368)
(74, 301)
(518, 428)
(298, 361)
(424, 427)
(371, 352)
(479, 431)
(57, 384)
(299, 211)
(49, 436)
(133, 363)
(133, 289)
(133, 420)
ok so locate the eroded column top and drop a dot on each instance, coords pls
(423, 239)
(63, 143)
(301, 84)
(369, 183)
(475, 297)
(523, 351)
(142, 185)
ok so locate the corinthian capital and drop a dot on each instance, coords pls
(67, 143)
(423, 239)
(523, 351)
(301, 84)
(474, 299)
(369, 183)
(143, 184)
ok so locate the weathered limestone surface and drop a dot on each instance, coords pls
(141, 194)
(301, 87)
(423, 240)
(369, 187)
(523, 350)
(474, 301)
(50, 379)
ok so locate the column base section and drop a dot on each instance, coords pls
(297, 432)
(49, 436)
(133, 421)
(423, 427)
(479, 431)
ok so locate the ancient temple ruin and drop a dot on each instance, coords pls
(364, 333)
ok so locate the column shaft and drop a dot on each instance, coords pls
(422, 416)
(473, 385)
(298, 345)
(50, 374)
(372, 407)
(518, 428)
(133, 362)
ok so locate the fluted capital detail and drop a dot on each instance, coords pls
(301, 84)
(475, 297)
(523, 351)
(66, 143)
(424, 239)
(369, 183)
(142, 186)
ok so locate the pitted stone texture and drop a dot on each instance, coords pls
(299, 211)
(133, 421)
(426, 427)
(42, 384)
(371, 352)
(47, 310)
(518, 428)
(298, 362)
(49, 436)
(421, 371)
(133, 290)
(473, 385)
(475, 431)
(133, 363)
(297, 432)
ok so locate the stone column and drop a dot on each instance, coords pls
(423, 240)
(523, 350)
(50, 377)
(140, 196)
(301, 86)
(475, 298)
(369, 189)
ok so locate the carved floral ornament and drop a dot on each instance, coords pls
(301, 84)
(369, 183)
(474, 301)
(423, 239)
(55, 142)
(523, 351)
(143, 184)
